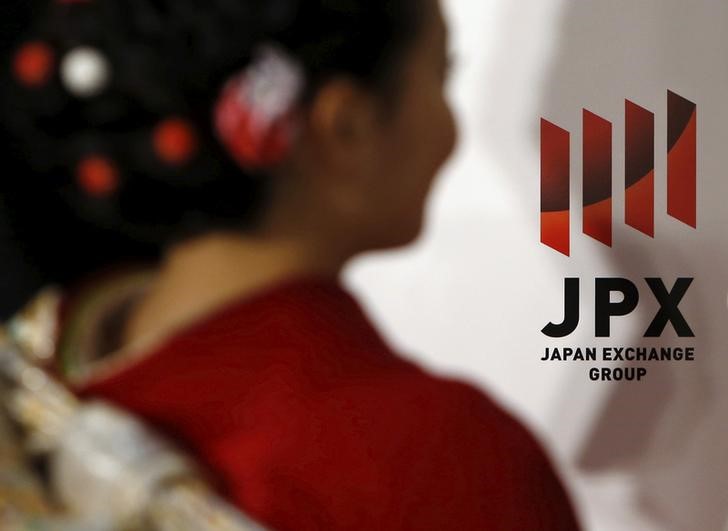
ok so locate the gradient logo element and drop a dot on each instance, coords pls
(639, 173)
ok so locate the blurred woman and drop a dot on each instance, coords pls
(195, 175)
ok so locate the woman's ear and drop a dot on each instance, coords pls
(342, 140)
(342, 118)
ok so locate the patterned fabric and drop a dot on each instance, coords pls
(107, 470)
(20, 490)
(21, 493)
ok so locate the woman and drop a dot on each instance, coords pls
(248, 150)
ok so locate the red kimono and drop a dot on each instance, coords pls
(309, 421)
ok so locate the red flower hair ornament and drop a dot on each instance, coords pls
(254, 116)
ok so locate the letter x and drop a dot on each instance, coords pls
(669, 311)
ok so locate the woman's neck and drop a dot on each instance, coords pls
(200, 275)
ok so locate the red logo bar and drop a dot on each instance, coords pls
(639, 168)
(597, 177)
(681, 159)
(555, 178)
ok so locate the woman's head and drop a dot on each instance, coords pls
(91, 185)
(371, 156)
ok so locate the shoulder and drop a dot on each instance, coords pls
(410, 450)
(400, 447)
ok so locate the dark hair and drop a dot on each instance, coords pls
(169, 59)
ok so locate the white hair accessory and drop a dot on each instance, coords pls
(254, 112)
(85, 72)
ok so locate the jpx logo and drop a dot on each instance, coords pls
(639, 206)
(639, 173)
(605, 309)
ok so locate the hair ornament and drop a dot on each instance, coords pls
(175, 141)
(254, 114)
(97, 175)
(34, 64)
(85, 72)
